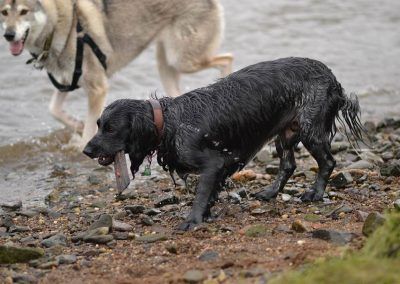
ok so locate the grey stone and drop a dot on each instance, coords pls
(19, 229)
(286, 197)
(54, 241)
(264, 155)
(28, 213)
(11, 205)
(120, 226)
(208, 255)
(371, 157)
(166, 200)
(24, 278)
(99, 239)
(341, 180)
(105, 220)
(336, 237)
(66, 259)
(193, 276)
(129, 193)
(373, 221)
(135, 209)
(94, 180)
(337, 147)
(120, 235)
(6, 221)
(361, 165)
(391, 169)
(48, 265)
(151, 238)
(386, 156)
(146, 220)
(152, 212)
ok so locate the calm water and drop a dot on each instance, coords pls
(359, 40)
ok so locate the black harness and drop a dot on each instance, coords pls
(80, 42)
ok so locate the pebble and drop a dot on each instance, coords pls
(193, 276)
(48, 265)
(208, 255)
(166, 200)
(11, 205)
(99, 239)
(121, 235)
(373, 221)
(54, 241)
(122, 227)
(298, 227)
(361, 164)
(286, 197)
(341, 179)
(361, 215)
(391, 169)
(129, 193)
(255, 231)
(11, 254)
(66, 259)
(18, 229)
(387, 156)
(283, 229)
(135, 209)
(152, 212)
(172, 248)
(94, 180)
(146, 220)
(105, 220)
(6, 221)
(28, 213)
(151, 238)
(24, 278)
(336, 237)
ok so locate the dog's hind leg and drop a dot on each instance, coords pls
(326, 163)
(210, 180)
(55, 107)
(168, 74)
(285, 148)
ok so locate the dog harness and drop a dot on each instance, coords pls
(80, 43)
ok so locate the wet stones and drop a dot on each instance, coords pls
(135, 209)
(341, 179)
(166, 200)
(11, 254)
(391, 169)
(11, 206)
(373, 221)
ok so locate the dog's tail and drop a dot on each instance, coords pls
(351, 117)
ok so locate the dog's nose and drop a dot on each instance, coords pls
(9, 35)
(88, 151)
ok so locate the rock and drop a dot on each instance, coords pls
(152, 212)
(146, 220)
(66, 259)
(391, 169)
(283, 229)
(361, 164)
(397, 204)
(28, 213)
(48, 265)
(193, 276)
(373, 221)
(151, 238)
(361, 215)
(298, 227)
(336, 237)
(120, 235)
(94, 180)
(264, 155)
(272, 170)
(29, 239)
(386, 156)
(371, 157)
(243, 176)
(135, 209)
(11, 254)
(341, 179)
(54, 241)
(98, 204)
(12, 205)
(172, 248)
(312, 217)
(242, 192)
(375, 187)
(337, 147)
(129, 193)
(99, 239)
(166, 200)
(18, 229)
(6, 221)
(286, 197)
(122, 227)
(234, 198)
(25, 279)
(255, 231)
(105, 220)
(208, 255)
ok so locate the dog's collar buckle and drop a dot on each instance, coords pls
(158, 118)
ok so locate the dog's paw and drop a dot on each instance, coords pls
(187, 226)
(312, 196)
(265, 195)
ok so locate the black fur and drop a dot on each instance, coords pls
(214, 131)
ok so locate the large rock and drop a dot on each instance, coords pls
(373, 221)
(336, 237)
(361, 164)
(105, 220)
(57, 240)
(341, 179)
(12, 205)
(11, 254)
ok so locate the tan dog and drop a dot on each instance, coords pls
(187, 34)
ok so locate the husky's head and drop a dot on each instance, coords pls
(23, 21)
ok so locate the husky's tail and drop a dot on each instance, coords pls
(351, 117)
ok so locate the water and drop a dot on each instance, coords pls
(359, 40)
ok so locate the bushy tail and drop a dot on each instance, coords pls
(350, 116)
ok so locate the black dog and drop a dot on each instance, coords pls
(214, 131)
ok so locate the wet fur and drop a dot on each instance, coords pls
(215, 131)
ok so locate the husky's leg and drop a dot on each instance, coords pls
(96, 92)
(222, 62)
(168, 74)
(55, 107)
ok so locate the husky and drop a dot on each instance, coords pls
(96, 38)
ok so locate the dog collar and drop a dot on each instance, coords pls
(158, 118)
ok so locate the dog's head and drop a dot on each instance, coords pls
(22, 21)
(124, 125)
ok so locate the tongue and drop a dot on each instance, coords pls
(16, 47)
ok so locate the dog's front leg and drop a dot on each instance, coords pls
(56, 109)
(210, 180)
(96, 91)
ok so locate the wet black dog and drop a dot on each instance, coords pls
(214, 131)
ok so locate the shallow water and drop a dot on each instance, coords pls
(359, 40)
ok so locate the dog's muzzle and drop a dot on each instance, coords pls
(103, 160)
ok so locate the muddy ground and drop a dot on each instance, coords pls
(246, 241)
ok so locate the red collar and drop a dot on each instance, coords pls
(158, 117)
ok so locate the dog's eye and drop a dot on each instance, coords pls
(4, 13)
(23, 12)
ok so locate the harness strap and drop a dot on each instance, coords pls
(79, 60)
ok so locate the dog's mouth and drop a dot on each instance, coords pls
(16, 47)
(105, 160)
